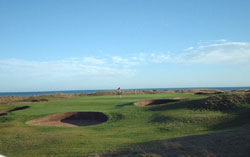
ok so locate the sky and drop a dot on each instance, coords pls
(50, 45)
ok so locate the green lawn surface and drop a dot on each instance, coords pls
(128, 125)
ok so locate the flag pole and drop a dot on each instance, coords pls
(119, 92)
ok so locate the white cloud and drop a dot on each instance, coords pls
(223, 52)
(92, 60)
(117, 59)
(134, 58)
(218, 52)
(73, 67)
(221, 40)
(125, 62)
(160, 58)
(189, 48)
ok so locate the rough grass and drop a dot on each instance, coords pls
(225, 102)
(128, 125)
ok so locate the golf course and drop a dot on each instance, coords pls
(139, 124)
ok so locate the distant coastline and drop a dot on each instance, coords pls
(2, 94)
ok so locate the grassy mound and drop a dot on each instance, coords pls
(198, 91)
(229, 102)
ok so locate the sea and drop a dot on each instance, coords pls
(2, 94)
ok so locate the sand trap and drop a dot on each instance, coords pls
(18, 108)
(154, 102)
(70, 119)
(3, 113)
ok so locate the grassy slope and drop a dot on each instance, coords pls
(233, 142)
(128, 125)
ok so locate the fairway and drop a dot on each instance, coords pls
(127, 124)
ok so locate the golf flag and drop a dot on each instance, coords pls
(118, 88)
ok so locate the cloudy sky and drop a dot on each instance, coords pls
(75, 45)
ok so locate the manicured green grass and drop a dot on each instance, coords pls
(127, 125)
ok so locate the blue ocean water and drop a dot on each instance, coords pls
(93, 91)
(46, 92)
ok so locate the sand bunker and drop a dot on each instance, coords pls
(18, 108)
(3, 114)
(14, 109)
(154, 102)
(70, 119)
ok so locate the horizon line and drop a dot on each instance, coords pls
(201, 87)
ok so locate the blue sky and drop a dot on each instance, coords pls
(73, 45)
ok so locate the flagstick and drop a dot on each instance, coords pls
(119, 92)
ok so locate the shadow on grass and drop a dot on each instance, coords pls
(227, 143)
(161, 119)
(154, 102)
(123, 105)
(240, 118)
(170, 106)
(5, 119)
(115, 117)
